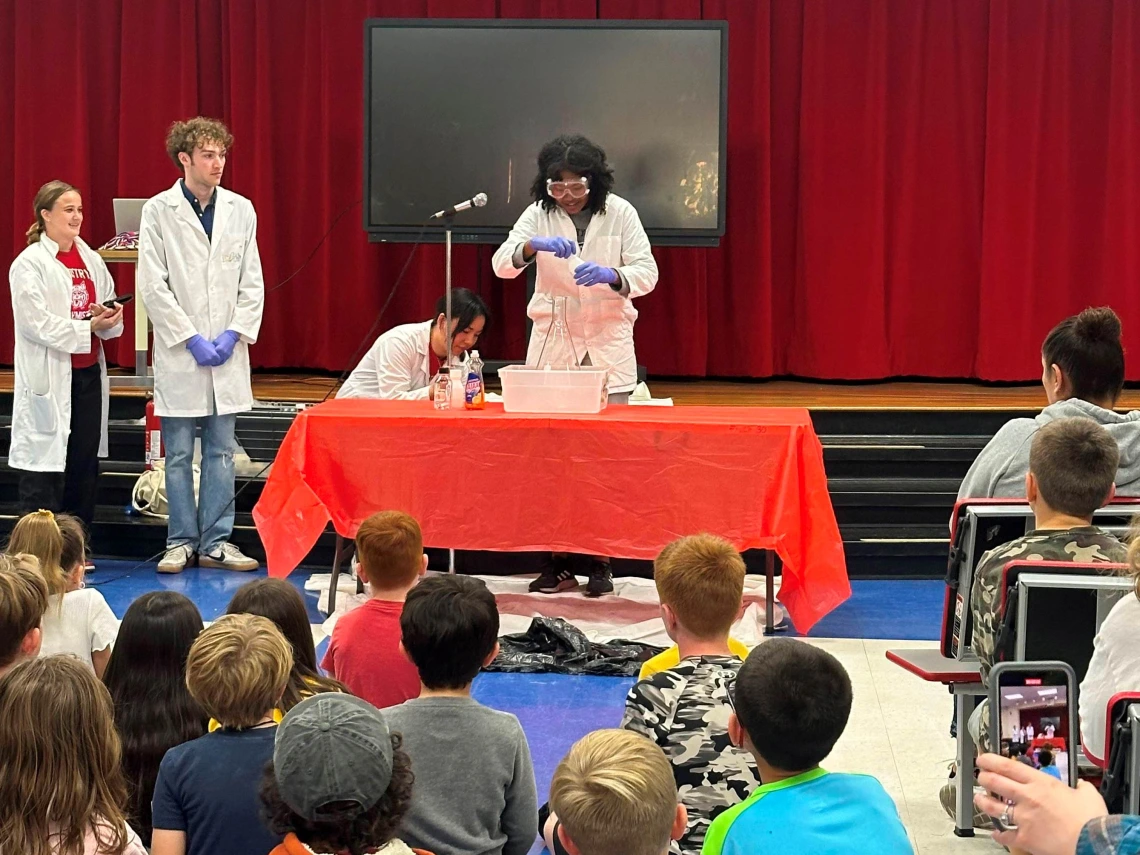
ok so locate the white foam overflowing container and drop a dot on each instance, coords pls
(553, 390)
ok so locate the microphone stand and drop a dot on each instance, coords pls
(448, 222)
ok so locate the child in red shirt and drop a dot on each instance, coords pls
(364, 652)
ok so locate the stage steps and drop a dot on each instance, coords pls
(893, 477)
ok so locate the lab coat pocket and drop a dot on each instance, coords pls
(232, 253)
(41, 409)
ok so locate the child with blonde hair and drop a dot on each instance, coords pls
(614, 792)
(61, 788)
(78, 621)
(206, 796)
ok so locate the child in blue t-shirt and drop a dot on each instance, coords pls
(791, 702)
(206, 797)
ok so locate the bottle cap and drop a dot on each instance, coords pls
(443, 369)
(475, 354)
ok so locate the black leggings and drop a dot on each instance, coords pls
(72, 490)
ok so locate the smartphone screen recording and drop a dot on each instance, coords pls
(1036, 718)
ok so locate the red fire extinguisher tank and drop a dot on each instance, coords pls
(154, 449)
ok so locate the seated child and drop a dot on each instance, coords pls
(61, 788)
(282, 603)
(1071, 467)
(1115, 664)
(78, 620)
(614, 792)
(474, 791)
(671, 657)
(364, 652)
(792, 702)
(685, 709)
(339, 781)
(206, 796)
(23, 601)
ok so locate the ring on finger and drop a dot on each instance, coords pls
(1006, 819)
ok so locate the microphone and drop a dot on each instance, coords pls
(476, 201)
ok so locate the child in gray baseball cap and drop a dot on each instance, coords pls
(339, 781)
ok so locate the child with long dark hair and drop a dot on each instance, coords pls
(147, 680)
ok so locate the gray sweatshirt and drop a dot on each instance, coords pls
(999, 471)
(474, 791)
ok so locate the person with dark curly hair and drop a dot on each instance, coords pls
(339, 781)
(589, 247)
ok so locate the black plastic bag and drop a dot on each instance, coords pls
(556, 646)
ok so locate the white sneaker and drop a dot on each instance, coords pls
(176, 559)
(228, 557)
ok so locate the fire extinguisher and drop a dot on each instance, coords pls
(154, 449)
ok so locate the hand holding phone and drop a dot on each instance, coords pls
(1046, 816)
(122, 301)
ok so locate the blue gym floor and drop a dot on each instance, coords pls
(555, 710)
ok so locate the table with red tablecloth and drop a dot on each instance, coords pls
(622, 483)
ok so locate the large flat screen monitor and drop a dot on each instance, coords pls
(454, 108)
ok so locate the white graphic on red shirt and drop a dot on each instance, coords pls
(80, 295)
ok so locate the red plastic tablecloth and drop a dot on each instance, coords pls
(621, 483)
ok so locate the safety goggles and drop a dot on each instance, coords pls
(574, 189)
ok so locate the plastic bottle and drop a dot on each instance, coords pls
(441, 391)
(474, 397)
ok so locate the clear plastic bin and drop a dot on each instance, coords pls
(553, 390)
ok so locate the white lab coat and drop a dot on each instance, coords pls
(46, 337)
(192, 285)
(600, 320)
(398, 367)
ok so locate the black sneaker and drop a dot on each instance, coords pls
(555, 577)
(601, 579)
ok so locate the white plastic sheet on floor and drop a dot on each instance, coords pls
(631, 612)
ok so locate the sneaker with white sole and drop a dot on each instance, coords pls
(176, 559)
(228, 557)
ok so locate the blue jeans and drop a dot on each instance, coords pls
(205, 527)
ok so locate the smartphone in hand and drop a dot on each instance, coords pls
(1033, 717)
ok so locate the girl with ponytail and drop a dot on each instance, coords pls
(59, 407)
(78, 620)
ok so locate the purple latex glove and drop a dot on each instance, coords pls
(225, 344)
(204, 352)
(591, 273)
(560, 246)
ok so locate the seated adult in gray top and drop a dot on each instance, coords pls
(1082, 363)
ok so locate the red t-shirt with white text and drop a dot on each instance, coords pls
(82, 296)
(364, 654)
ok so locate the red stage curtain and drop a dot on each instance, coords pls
(917, 188)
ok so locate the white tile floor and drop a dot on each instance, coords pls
(899, 732)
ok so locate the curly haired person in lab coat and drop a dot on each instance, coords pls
(589, 246)
(199, 277)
